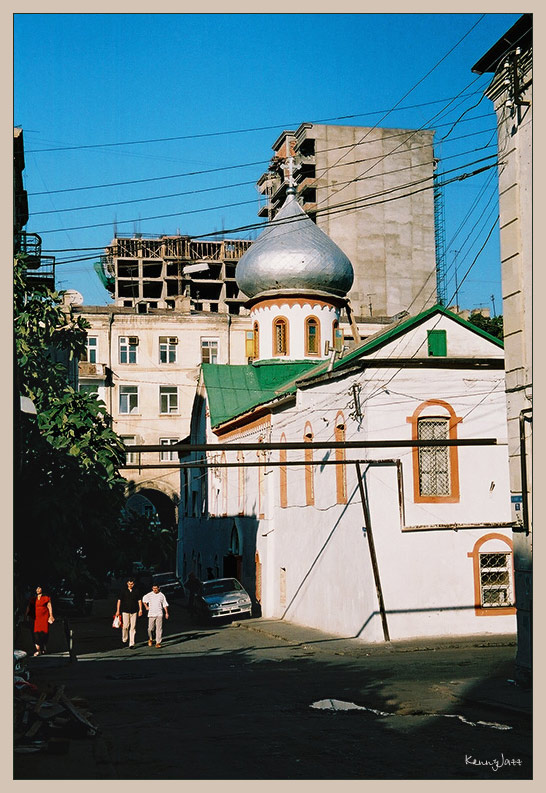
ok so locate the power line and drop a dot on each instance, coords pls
(328, 211)
(249, 164)
(233, 131)
(235, 184)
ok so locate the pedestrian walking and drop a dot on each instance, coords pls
(129, 605)
(155, 604)
(193, 585)
(40, 613)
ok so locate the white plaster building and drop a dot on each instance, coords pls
(296, 525)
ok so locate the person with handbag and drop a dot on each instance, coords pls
(129, 606)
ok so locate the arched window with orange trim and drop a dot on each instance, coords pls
(435, 468)
(309, 468)
(341, 470)
(337, 336)
(283, 475)
(280, 336)
(312, 336)
(493, 568)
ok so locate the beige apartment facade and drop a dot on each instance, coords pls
(145, 368)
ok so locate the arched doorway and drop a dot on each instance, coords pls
(233, 561)
(152, 514)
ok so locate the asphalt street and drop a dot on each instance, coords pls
(263, 700)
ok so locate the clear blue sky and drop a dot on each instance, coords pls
(86, 79)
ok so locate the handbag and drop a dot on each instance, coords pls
(117, 621)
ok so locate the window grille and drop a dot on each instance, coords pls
(256, 334)
(312, 337)
(496, 580)
(280, 337)
(434, 473)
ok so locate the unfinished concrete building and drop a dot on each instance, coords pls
(147, 273)
(366, 188)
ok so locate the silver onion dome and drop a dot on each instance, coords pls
(292, 254)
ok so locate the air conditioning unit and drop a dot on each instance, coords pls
(173, 339)
(133, 341)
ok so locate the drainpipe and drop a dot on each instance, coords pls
(523, 417)
(111, 387)
(229, 338)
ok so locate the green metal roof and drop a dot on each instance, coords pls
(232, 390)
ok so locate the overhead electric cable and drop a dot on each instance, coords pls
(328, 211)
(230, 132)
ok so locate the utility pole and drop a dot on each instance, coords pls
(493, 301)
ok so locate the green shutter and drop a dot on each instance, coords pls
(437, 342)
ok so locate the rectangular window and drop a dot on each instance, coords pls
(166, 456)
(168, 399)
(249, 344)
(128, 399)
(89, 388)
(209, 350)
(434, 474)
(128, 349)
(167, 349)
(437, 343)
(131, 458)
(496, 580)
(91, 352)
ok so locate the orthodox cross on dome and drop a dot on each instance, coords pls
(289, 166)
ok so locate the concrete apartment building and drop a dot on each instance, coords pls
(155, 272)
(343, 175)
(510, 61)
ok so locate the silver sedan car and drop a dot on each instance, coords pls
(223, 597)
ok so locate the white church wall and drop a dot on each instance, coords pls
(295, 311)
(427, 575)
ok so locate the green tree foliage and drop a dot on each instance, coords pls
(68, 493)
(492, 325)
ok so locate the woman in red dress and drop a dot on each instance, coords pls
(40, 611)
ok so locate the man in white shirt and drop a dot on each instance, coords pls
(155, 603)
